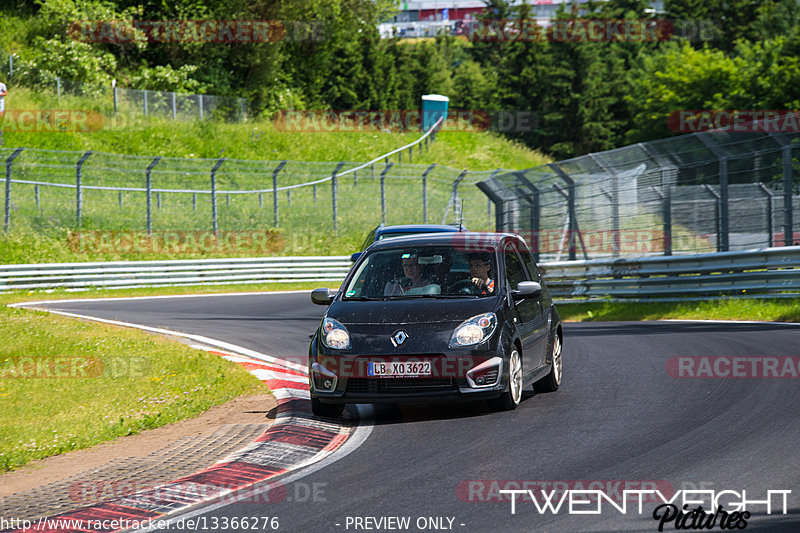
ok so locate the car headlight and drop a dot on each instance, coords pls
(335, 335)
(474, 331)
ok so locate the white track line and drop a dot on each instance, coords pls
(159, 297)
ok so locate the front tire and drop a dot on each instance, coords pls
(510, 399)
(326, 410)
(551, 381)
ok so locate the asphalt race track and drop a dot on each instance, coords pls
(619, 418)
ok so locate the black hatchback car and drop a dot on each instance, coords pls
(425, 317)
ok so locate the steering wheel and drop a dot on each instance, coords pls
(464, 286)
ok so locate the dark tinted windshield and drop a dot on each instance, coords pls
(423, 271)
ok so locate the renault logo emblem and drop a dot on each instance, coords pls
(399, 338)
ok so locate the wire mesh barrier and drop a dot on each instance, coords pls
(703, 192)
(46, 189)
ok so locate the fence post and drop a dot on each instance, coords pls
(355, 179)
(535, 210)
(333, 194)
(36, 195)
(158, 201)
(58, 88)
(717, 222)
(9, 162)
(275, 190)
(788, 222)
(768, 194)
(149, 194)
(214, 195)
(120, 199)
(724, 244)
(200, 99)
(145, 102)
(78, 190)
(260, 200)
(425, 192)
(666, 215)
(573, 219)
(115, 99)
(453, 201)
(174, 108)
(614, 199)
(383, 191)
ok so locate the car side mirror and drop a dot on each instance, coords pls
(322, 296)
(355, 256)
(526, 289)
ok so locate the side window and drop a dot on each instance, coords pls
(527, 258)
(515, 272)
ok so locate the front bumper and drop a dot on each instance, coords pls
(343, 378)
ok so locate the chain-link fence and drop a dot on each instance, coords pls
(703, 192)
(46, 189)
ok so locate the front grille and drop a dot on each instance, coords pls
(400, 385)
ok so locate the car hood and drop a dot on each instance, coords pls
(409, 311)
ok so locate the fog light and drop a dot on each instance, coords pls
(323, 379)
(485, 374)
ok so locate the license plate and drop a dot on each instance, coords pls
(403, 369)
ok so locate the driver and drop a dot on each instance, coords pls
(412, 277)
(479, 266)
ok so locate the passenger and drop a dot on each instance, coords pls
(412, 278)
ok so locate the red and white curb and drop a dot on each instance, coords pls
(295, 440)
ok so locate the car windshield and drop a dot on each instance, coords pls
(423, 272)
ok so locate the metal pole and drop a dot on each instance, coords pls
(200, 99)
(158, 200)
(787, 196)
(289, 197)
(214, 195)
(723, 244)
(120, 199)
(535, 211)
(227, 199)
(315, 193)
(194, 201)
(275, 190)
(260, 200)
(115, 99)
(383, 191)
(36, 195)
(149, 194)
(145, 101)
(78, 190)
(769, 195)
(717, 224)
(333, 194)
(58, 88)
(174, 108)
(614, 199)
(355, 179)
(425, 192)
(9, 162)
(573, 220)
(666, 215)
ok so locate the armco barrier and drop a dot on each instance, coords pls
(125, 274)
(771, 272)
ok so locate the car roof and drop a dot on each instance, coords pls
(420, 228)
(482, 240)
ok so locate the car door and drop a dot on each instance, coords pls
(527, 312)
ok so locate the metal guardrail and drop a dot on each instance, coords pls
(127, 274)
(770, 272)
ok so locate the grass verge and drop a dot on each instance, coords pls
(777, 310)
(68, 384)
